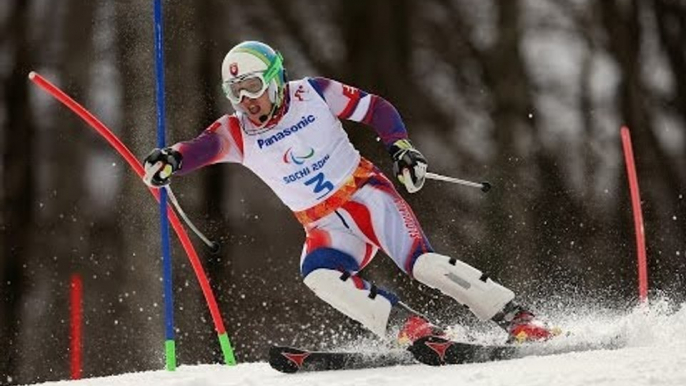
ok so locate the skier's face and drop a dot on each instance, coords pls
(257, 107)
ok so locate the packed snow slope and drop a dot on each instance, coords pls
(654, 354)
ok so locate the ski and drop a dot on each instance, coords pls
(437, 351)
(430, 350)
(292, 360)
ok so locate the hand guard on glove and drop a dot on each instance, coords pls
(409, 165)
(159, 165)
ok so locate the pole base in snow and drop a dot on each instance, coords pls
(170, 351)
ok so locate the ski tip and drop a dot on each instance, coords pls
(431, 350)
(286, 359)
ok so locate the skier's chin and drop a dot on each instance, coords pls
(255, 114)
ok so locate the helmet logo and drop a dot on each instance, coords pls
(233, 69)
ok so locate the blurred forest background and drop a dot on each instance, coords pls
(527, 94)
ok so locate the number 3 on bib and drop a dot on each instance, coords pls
(322, 187)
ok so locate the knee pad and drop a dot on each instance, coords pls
(464, 283)
(367, 306)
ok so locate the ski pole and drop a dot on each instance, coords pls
(213, 245)
(484, 186)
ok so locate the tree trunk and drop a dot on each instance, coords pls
(139, 333)
(18, 184)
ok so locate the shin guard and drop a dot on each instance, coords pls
(464, 283)
(339, 289)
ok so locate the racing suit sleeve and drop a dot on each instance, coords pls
(353, 104)
(221, 142)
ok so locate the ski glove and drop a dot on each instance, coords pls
(409, 165)
(159, 165)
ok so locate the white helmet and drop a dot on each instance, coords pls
(250, 69)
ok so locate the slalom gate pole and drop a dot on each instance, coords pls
(116, 143)
(169, 344)
(638, 215)
(75, 337)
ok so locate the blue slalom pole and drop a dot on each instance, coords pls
(169, 344)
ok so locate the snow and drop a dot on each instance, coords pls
(654, 355)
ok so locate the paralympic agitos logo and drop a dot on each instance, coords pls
(290, 156)
(274, 138)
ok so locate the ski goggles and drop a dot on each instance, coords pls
(251, 85)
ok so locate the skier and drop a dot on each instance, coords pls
(289, 134)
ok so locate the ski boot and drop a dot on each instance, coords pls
(522, 326)
(413, 325)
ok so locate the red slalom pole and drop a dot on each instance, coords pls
(76, 309)
(638, 215)
(115, 142)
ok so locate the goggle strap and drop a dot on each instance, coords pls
(274, 68)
